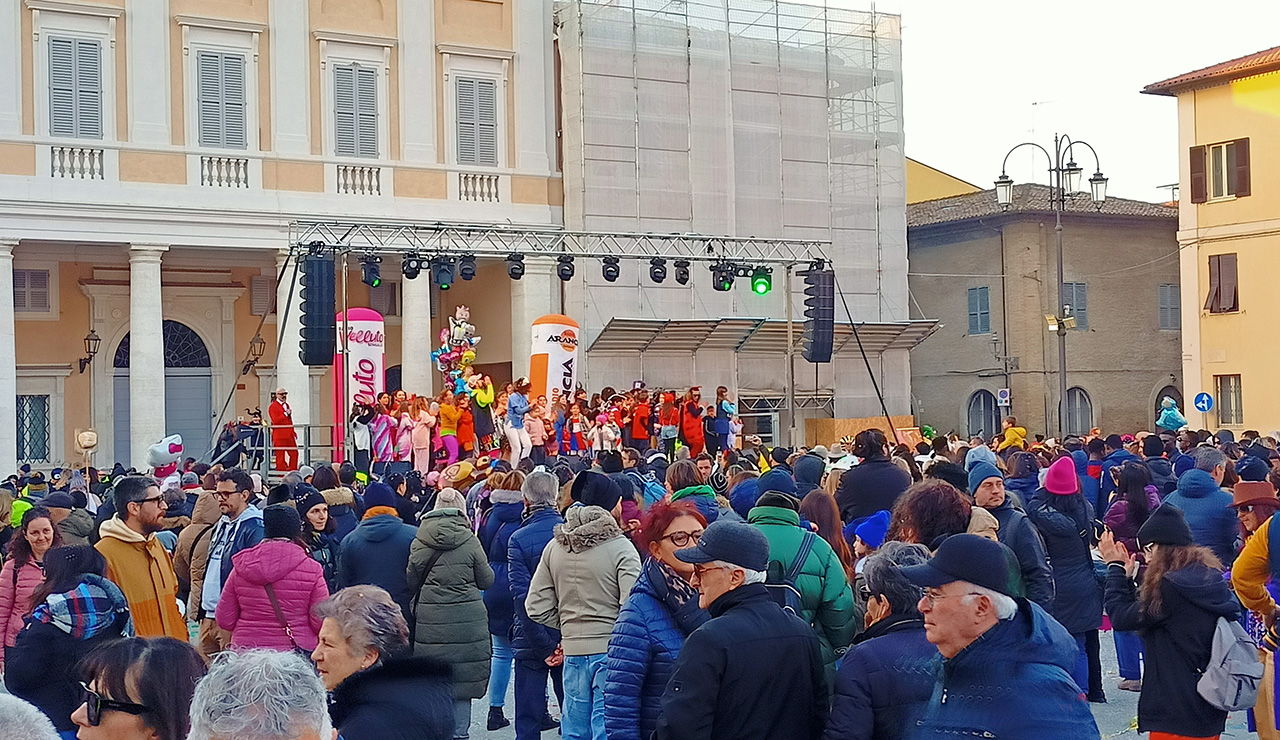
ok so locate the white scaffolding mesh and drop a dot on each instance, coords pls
(735, 117)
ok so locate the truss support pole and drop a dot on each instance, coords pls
(791, 365)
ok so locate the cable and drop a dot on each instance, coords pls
(865, 360)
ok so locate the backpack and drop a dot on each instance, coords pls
(652, 490)
(782, 586)
(1230, 681)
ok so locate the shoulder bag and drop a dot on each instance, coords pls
(284, 623)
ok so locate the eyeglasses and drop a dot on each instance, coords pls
(1245, 509)
(700, 570)
(933, 595)
(864, 592)
(222, 495)
(682, 539)
(95, 703)
(149, 500)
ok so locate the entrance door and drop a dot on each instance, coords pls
(188, 392)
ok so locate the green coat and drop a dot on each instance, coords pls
(824, 592)
(451, 622)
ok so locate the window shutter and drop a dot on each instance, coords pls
(344, 111)
(62, 87)
(1199, 185)
(31, 290)
(262, 295)
(1175, 307)
(1241, 173)
(20, 290)
(1079, 304)
(1228, 299)
(367, 112)
(486, 122)
(973, 311)
(466, 124)
(233, 103)
(984, 310)
(88, 89)
(1215, 285)
(209, 97)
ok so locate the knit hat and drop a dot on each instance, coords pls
(1061, 479)
(450, 498)
(190, 480)
(779, 499)
(1244, 492)
(610, 462)
(1165, 526)
(779, 455)
(821, 451)
(733, 542)
(310, 501)
(281, 521)
(776, 480)
(977, 455)
(594, 489)
(58, 500)
(1251, 468)
(969, 557)
(379, 494)
(873, 529)
(982, 471)
(306, 471)
(458, 473)
(809, 469)
(719, 482)
(744, 496)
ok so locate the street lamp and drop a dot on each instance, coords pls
(91, 343)
(1064, 178)
(257, 348)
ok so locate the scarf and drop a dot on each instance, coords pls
(94, 606)
(529, 511)
(680, 598)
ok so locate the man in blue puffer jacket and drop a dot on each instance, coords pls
(536, 646)
(1207, 505)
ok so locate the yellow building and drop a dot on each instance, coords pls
(1229, 236)
(929, 183)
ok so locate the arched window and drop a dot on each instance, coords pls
(182, 348)
(1172, 392)
(1079, 411)
(984, 415)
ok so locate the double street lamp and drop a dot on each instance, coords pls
(1065, 178)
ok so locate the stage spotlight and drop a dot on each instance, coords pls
(466, 267)
(610, 269)
(370, 273)
(564, 267)
(442, 272)
(682, 272)
(411, 266)
(722, 275)
(515, 266)
(657, 269)
(761, 280)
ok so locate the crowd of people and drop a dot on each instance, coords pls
(706, 588)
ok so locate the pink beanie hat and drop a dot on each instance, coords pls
(1061, 479)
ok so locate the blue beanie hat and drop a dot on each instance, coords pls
(981, 471)
(379, 494)
(744, 496)
(873, 529)
(776, 480)
(1251, 468)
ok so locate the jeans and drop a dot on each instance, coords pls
(1087, 672)
(583, 716)
(1080, 671)
(500, 670)
(531, 695)
(461, 719)
(1129, 654)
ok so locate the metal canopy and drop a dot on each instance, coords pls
(750, 336)
(490, 240)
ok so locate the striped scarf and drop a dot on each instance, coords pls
(94, 606)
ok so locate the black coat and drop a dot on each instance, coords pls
(753, 672)
(884, 682)
(1162, 476)
(1020, 535)
(873, 485)
(401, 699)
(41, 668)
(1176, 646)
(1065, 523)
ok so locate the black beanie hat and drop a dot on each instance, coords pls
(281, 521)
(595, 489)
(610, 462)
(1165, 526)
(313, 499)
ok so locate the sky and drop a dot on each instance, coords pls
(980, 76)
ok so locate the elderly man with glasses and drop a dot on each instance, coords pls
(1005, 664)
(753, 671)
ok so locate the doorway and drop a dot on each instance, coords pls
(188, 391)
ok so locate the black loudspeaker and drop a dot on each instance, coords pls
(317, 309)
(819, 314)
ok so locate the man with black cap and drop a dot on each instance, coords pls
(582, 580)
(1005, 663)
(753, 671)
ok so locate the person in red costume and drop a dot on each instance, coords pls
(283, 438)
(691, 420)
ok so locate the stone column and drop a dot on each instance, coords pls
(416, 340)
(536, 294)
(146, 352)
(8, 361)
(291, 374)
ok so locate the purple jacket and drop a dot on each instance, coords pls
(1117, 519)
(245, 610)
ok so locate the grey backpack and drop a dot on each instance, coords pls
(1230, 681)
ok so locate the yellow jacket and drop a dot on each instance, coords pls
(1252, 570)
(1013, 437)
(142, 569)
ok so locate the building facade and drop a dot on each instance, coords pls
(1228, 232)
(989, 275)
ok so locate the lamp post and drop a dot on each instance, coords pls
(1064, 179)
(91, 344)
(257, 348)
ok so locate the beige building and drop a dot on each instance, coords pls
(989, 276)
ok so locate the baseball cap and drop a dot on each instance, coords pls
(969, 557)
(733, 542)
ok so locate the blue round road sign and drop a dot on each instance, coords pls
(1204, 402)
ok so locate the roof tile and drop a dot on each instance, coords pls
(1258, 62)
(1027, 198)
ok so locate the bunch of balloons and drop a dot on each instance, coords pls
(456, 352)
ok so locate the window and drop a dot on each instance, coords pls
(385, 299)
(75, 87)
(33, 428)
(355, 110)
(1079, 411)
(1170, 307)
(1230, 401)
(1223, 286)
(983, 415)
(1078, 304)
(979, 310)
(31, 291)
(221, 98)
(1220, 171)
(262, 295)
(477, 124)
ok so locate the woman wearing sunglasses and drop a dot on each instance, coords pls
(138, 689)
(655, 620)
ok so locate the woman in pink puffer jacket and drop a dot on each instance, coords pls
(24, 571)
(298, 581)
